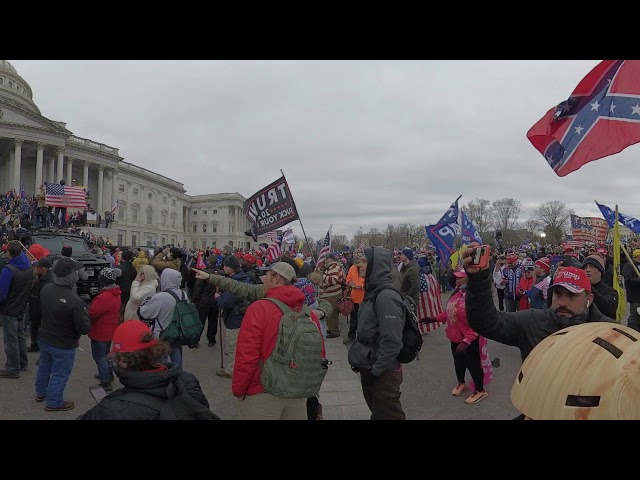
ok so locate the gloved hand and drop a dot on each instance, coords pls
(461, 349)
(527, 293)
(429, 320)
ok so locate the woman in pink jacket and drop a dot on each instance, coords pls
(468, 348)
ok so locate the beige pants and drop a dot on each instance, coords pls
(264, 406)
(333, 323)
(231, 341)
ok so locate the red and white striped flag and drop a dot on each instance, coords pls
(275, 249)
(272, 235)
(430, 304)
(326, 246)
(57, 195)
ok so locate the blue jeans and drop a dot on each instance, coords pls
(175, 356)
(99, 352)
(54, 371)
(15, 343)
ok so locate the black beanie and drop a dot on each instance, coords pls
(232, 262)
(66, 251)
(596, 261)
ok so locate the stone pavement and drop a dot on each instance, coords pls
(426, 389)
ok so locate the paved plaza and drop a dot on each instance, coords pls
(426, 390)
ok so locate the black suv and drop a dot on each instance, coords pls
(54, 240)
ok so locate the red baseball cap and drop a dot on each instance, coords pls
(38, 251)
(602, 251)
(127, 336)
(249, 258)
(573, 279)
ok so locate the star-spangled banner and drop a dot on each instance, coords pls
(600, 118)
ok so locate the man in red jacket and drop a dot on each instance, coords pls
(256, 341)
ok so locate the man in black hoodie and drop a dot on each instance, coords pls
(45, 277)
(203, 299)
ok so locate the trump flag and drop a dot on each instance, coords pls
(600, 118)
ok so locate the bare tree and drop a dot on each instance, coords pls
(338, 242)
(479, 211)
(553, 217)
(505, 217)
(532, 226)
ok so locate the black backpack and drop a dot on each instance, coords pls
(178, 406)
(411, 336)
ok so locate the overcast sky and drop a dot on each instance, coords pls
(361, 143)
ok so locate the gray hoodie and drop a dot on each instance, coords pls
(161, 305)
(380, 318)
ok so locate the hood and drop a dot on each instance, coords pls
(288, 294)
(378, 275)
(152, 382)
(21, 262)
(141, 254)
(68, 281)
(113, 290)
(170, 279)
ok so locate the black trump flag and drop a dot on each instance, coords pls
(270, 208)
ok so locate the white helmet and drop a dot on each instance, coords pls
(589, 371)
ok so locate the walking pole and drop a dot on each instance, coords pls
(220, 335)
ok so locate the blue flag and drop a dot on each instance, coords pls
(443, 236)
(451, 215)
(469, 231)
(609, 215)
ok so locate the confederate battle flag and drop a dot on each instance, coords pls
(600, 118)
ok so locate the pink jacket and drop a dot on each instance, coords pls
(458, 329)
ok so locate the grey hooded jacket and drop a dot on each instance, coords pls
(380, 318)
(161, 305)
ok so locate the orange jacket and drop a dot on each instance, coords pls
(357, 294)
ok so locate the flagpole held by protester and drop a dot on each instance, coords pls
(294, 206)
(617, 283)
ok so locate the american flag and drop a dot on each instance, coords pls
(326, 246)
(272, 235)
(57, 195)
(576, 245)
(430, 304)
(275, 249)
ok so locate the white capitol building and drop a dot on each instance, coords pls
(151, 207)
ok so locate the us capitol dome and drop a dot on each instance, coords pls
(15, 88)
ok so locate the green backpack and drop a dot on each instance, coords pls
(185, 327)
(295, 368)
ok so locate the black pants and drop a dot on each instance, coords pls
(500, 298)
(353, 321)
(210, 313)
(469, 361)
(382, 395)
(35, 318)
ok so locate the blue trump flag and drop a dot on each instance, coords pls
(443, 236)
(469, 231)
(451, 215)
(609, 215)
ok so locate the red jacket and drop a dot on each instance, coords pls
(458, 329)
(524, 284)
(257, 338)
(104, 312)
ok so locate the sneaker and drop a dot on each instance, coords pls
(39, 398)
(211, 343)
(24, 369)
(107, 386)
(222, 373)
(62, 408)
(333, 335)
(5, 374)
(476, 397)
(458, 389)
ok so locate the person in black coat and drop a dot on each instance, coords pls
(125, 280)
(203, 299)
(604, 296)
(45, 276)
(137, 361)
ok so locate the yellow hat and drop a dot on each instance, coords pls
(636, 252)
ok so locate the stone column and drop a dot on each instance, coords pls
(12, 164)
(52, 170)
(39, 160)
(17, 163)
(85, 175)
(69, 170)
(114, 190)
(100, 190)
(60, 169)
